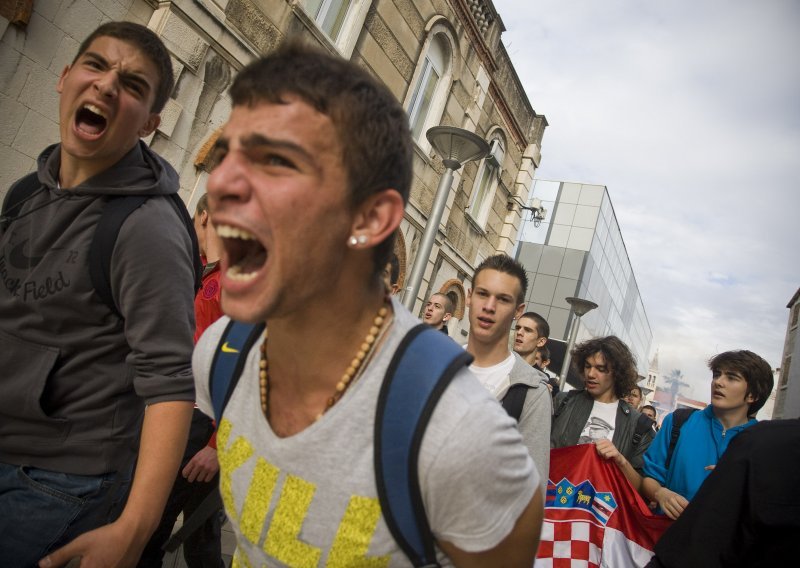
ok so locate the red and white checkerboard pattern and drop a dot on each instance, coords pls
(570, 544)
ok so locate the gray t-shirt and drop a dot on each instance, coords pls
(310, 499)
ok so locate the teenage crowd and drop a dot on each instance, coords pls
(107, 284)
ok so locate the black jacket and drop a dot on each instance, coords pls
(572, 410)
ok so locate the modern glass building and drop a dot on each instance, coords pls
(577, 250)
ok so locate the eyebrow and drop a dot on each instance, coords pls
(136, 76)
(256, 140)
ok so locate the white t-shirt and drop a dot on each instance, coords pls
(310, 499)
(601, 422)
(495, 378)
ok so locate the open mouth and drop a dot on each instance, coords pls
(91, 120)
(246, 255)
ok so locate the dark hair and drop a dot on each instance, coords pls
(651, 407)
(755, 370)
(149, 44)
(636, 388)
(544, 352)
(202, 204)
(371, 124)
(507, 265)
(541, 324)
(394, 269)
(448, 302)
(619, 359)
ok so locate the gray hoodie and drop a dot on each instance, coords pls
(74, 378)
(537, 412)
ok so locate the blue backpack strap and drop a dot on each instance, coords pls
(421, 369)
(229, 360)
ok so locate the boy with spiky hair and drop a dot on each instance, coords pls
(314, 168)
(688, 446)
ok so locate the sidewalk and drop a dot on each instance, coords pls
(175, 559)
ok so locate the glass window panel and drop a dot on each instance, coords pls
(480, 205)
(421, 102)
(333, 17)
(313, 7)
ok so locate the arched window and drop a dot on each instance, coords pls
(487, 179)
(431, 83)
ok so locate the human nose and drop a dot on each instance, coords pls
(107, 84)
(227, 180)
(490, 304)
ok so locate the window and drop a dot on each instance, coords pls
(430, 85)
(486, 182)
(329, 15)
(340, 20)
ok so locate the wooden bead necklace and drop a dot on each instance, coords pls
(353, 370)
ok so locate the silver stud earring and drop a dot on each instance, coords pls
(352, 241)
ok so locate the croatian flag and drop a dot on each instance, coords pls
(593, 517)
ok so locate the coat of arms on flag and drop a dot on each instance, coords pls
(593, 517)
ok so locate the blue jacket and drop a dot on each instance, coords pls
(701, 443)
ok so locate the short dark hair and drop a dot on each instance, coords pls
(148, 42)
(202, 204)
(371, 124)
(755, 370)
(651, 407)
(507, 265)
(636, 388)
(448, 302)
(541, 324)
(619, 359)
(394, 269)
(544, 352)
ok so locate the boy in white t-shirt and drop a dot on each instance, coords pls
(598, 413)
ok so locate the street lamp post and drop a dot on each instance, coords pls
(456, 146)
(580, 307)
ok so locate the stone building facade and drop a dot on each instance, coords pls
(443, 59)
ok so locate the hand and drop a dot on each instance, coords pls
(709, 467)
(202, 467)
(109, 546)
(607, 450)
(671, 503)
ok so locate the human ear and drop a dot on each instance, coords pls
(62, 77)
(150, 125)
(378, 217)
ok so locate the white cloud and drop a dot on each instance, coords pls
(687, 111)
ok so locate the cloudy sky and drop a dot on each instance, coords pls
(689, 112)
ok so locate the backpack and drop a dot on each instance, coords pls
(679, 418)
(115, 211)
(420, 370)
(514, 399)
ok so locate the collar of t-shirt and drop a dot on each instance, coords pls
(495, 378)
